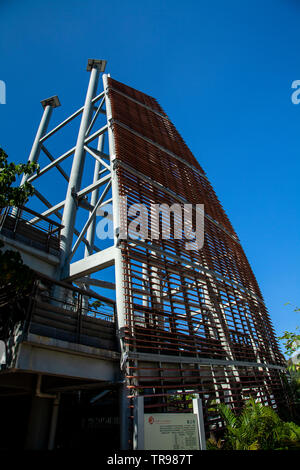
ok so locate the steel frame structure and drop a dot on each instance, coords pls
(189, 322)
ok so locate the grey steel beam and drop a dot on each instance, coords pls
(68, 119)
(89, 221)
(66, 155)
(97, 157)
(96, 282)
(94, 197)
(92, 263)
(61, 125)
(51, 165)
(93, 186)
(52, 159)
(98, 110)
(202, 361)
(48, 204)
(81, 193)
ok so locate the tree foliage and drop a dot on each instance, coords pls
(16, 279)
(14, 274)
(258, 427)
(291, 340)
(14, 195)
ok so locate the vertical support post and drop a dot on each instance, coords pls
(124, 413)
(119, 272)
(69, 214)
(156, 291)
(116, 212)
(48, 105)
(138, 423)
(90, 234)
(198, 410)
(53, 425)
(146, 287)
(39, 422)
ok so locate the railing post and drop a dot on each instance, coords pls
(31, 303)
(49, 232)
(79, 317)
(4, 212)
(17, 212)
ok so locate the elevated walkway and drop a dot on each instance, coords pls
(61, 330)
(55, 330)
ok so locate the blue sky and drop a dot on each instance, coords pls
(222, 70)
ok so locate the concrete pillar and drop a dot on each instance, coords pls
(39, 423)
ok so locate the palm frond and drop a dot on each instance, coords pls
(227, 415)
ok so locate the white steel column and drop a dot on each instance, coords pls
(120, 296)
(90, 234)
(69, 214)
(48, 105)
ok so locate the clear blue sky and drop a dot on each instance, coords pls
(222, 70)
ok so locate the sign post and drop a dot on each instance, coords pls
(138, 424)
(2, 354)
(198, 410)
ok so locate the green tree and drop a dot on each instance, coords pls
(13, 272)
(16, 278)
(14, 195)
(291, 340)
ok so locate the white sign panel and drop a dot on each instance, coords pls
(171, 431)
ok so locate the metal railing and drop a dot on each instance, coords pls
(61, 311)
(17, 223)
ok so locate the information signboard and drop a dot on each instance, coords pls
(171, 431)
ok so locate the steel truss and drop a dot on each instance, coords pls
(189, 322)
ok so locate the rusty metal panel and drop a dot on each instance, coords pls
(201, 309)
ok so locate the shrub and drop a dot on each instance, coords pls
(258, 427)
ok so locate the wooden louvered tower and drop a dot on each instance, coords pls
(194, 322)
(188, 322)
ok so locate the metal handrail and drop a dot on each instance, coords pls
(74, 305)
(14, 220)
(7, 209)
